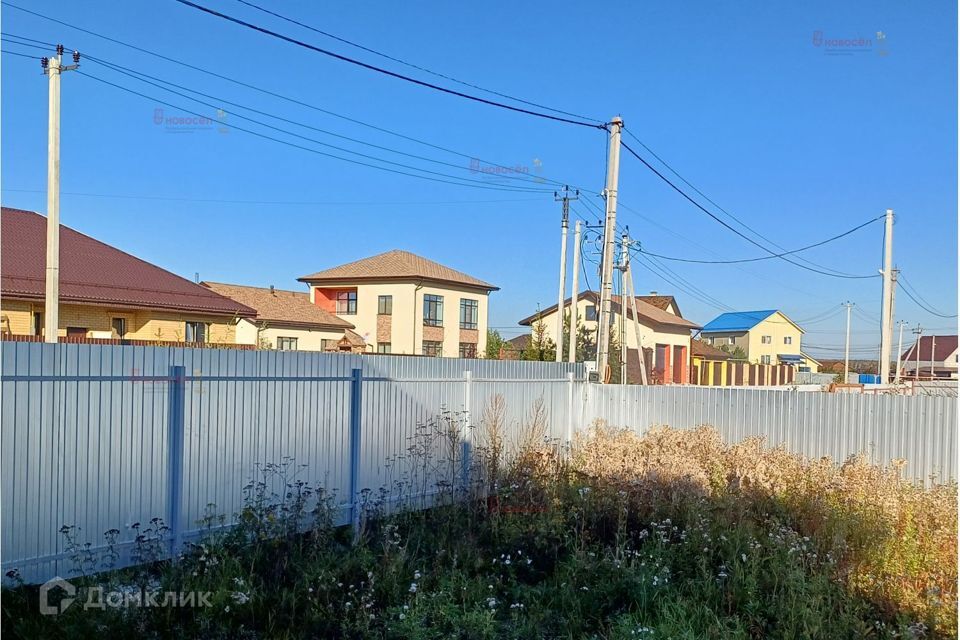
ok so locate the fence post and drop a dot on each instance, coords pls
(466, 436)
(356, 385)
(570, 407)
(176, 386)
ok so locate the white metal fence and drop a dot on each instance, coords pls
(100, 437)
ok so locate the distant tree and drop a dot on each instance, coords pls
(586, 344)
(540, 347)
(736, 353)
(494, 345)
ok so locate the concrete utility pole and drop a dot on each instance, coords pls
(53, 67)
(624, 250)
(609, 239)
(933, 350)
(628, 279)
(886, 317)
(846, 349)
(919, 332)
(564, 224)
(900, 353)
(574, 292)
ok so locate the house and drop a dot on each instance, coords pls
(706, 362)
(287, 320)
(937, 357)
(403, 303)
(104, 292)
(664, 333)
(514, 347)
(765, 337)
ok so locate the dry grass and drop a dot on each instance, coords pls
(892, 541)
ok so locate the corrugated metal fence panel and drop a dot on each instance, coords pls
(920, 429)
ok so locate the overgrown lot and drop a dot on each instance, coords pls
(672, 535)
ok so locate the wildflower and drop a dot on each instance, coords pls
(413, 587)
(492, 603)
(403, 616)
(416, 575)
(241, 598)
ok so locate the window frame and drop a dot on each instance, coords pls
(471, 350)
(590, 313)
(384, 348)
(348, 297)
(197, 324)
(787, 339)
(470, 305)
(766, 339)
(437, 344)
(434, 304)
(38, 322)
(385, 305)
(286, 339)
(123, 324)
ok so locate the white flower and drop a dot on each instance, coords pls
(403, 616)
(241, 598)
(492, 603)
(416, 575)
(413, 587)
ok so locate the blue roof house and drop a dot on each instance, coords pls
(766, 337)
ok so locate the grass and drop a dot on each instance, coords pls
(670, 535)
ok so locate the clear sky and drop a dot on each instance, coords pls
(738, 97)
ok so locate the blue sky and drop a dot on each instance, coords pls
(738, 98)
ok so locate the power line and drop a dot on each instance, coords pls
(410, 64)
(22, 55)
(770, 257)
(273, 94)
(921, 305)
(456, 180)
(906, 283)
(714, 203)
(136, 75)
(393, 74)
(724, 223)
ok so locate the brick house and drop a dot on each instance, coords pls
(403, 303)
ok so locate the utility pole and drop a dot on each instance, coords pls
(574, 293)
(846, 349)
(933, 350)
(564, 224)
(886, 317)
(900, 352)
(624, 250)
(916, 371)
(53, 67)
(631, 292)
(609, 239)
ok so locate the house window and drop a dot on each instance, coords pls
(468, 349)
(383, 347)
(328, 344)
(347, 303)
(385, 305)
(119, 326)
(469, 314)
(76, 332)
(286, 344)
(591, 313)
(432, 311)
(38, 323)
(432, 348)
(766, 340)
(709, 340)
(196, 332)
(764, 359)
(788, 340)
(731, 341)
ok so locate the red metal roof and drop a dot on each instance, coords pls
(92, 272)
(942, 349)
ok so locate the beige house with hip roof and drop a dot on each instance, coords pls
(403, 303)
(766, 337)
(287, 321)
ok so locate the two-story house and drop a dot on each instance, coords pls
(664, 333)
(105, 293)
(764, 337)
(403, 303)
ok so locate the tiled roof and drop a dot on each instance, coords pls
(520, 342)
(737, 321)
(704, 350)
(646, 311)
(92, 272)
(660, 302)
(280, 307)
(395, 265)
(942, 348)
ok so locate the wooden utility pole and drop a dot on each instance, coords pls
(574, 294)
(564, 197)
(609, 241)
(53, 67)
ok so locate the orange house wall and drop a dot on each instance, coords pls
(326, 299)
